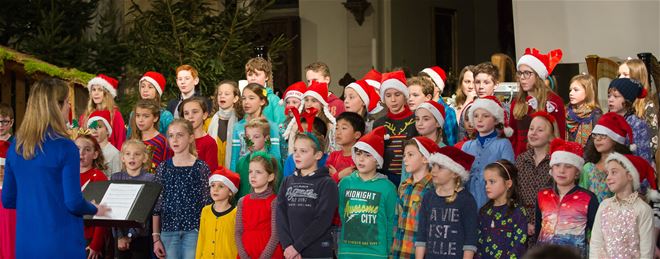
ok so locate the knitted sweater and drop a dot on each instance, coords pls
(399, 127)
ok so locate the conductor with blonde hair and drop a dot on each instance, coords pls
(42, 179)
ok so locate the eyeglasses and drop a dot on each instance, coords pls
(597, 136)
(5, 123)
(524, 74)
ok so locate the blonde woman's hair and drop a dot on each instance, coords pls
(140, 145)
(424, 82)
(43, 117)
(589, 84)
(108, 103)
(188, 128)
(638, 72)
(460, 95)
(520, 100)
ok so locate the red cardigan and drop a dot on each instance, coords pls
(207, 151)
(96, 234)
(554, 106)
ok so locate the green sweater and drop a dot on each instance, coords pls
(367, 211)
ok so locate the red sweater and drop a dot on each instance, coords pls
(554, 106)
(336, 104)
(207, 151)
(96, 234)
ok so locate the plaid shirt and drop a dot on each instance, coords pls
(410, 200)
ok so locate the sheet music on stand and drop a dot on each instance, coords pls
(120, 198)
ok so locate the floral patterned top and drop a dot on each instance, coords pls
(594, 180)
(651, 118)
(641, 135)
(531, 179)
(502, 233)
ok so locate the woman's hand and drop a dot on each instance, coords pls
(101, 210)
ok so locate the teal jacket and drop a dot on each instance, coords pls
(274, 111)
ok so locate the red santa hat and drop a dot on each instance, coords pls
(615, 127)
(373, 143)
(394, 80)
(156, 79)
(549, 118)
(454, 159)
(640, 170)
(368, 95)
(296, 90)
(436, 109)
(228, 178)
(438, 76)
(373, 78)
(565, 152)
(426, 146)
(108, 83)
(319, 91)
(102, 116)
(492, 105)
(543, 64)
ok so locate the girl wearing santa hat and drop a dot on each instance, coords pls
(152, 87)
(458, 236)
(292, 99)
(622, 93)
(565, 212)
(608, 136)
(623, 227)
(102, 91)
(362, 98)
(416, 160)
(316, 97)
(399, 122)
(439, 78)
(647, 107)
(217, 223)
(488, 117)
(534, 95)
(534, 164)
(429, 120)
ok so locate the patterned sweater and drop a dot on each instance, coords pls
(399, 127)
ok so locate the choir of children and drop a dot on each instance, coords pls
(518, 178)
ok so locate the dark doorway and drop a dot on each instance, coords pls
(446, 47)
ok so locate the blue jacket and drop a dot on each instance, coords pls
(492, 150)
(46, 191)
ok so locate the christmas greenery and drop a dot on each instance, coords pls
(158, 37)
